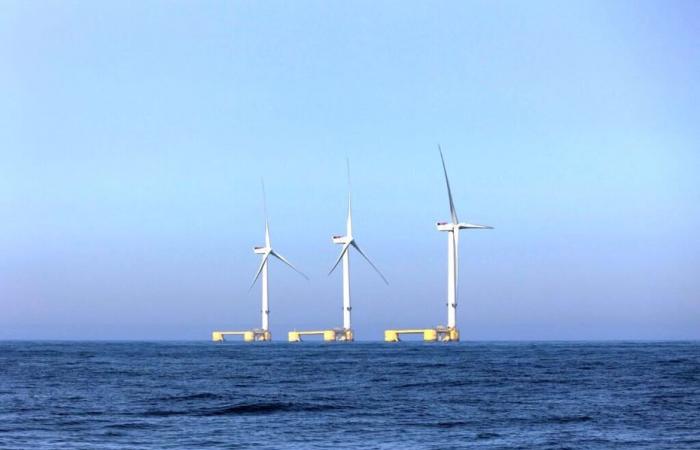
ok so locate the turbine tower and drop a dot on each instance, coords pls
(452, 229)
(266, 252)
(347, 241)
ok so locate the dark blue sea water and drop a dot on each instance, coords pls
(72, 395)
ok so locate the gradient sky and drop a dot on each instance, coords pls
(134, 134)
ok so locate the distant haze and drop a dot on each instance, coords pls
(134, 135)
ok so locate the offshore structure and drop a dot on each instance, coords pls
(262, 333)
(345, 333)
(450, 332)
(445, 333)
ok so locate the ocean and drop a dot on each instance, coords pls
(411, 395)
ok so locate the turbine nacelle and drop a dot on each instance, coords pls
(262, 250)
(342, 239)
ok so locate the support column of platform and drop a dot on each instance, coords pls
(452, 335)
(447, 334)
(346, 335)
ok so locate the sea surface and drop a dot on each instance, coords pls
(480, 395)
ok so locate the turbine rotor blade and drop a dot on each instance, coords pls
(284, 260)
(267, 226)
(369, 261)
(342, 252)
(473, 225)
(257, 274)
(453, 212)
(348, 225)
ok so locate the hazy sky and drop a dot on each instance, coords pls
(133, 136)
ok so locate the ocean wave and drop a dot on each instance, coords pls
(569, 419)
(246, 408)
(269, 408)
(189, 397)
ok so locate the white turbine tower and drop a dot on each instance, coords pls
(452, 229)
(266, 252)
(347, 241)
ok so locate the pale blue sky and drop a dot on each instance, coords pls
(134, 136)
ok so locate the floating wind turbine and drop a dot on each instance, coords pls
(348, 241)
(266, 252)
(453, 254)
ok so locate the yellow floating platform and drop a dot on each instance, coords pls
(328, 335)
(429, 334)
(248, 335)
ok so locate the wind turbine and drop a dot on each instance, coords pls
(452, 229)
(348, 241)
(266, 252)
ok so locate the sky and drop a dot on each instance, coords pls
(134, 136)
